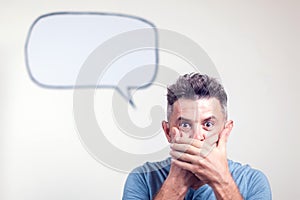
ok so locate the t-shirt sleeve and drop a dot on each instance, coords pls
(258, 187)
(135, 187)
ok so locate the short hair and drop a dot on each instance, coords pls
(196, 86)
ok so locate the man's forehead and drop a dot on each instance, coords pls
(203, 104)
(205, 107)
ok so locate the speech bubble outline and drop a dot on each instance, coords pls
(124, 91)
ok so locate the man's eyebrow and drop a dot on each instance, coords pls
(183, 119)
(180, 118)
(209, 118)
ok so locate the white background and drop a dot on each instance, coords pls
(254, 45)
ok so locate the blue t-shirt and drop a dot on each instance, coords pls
(145, 181)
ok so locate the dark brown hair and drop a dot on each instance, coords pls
(196, 86)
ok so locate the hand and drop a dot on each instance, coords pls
(177, 184)
(210, 168)
(178, 181)
(181, 176)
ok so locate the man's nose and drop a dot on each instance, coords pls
(199, 133)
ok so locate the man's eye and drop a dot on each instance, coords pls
(185, 125)
(208, 124)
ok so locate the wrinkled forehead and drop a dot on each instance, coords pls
(197, 109)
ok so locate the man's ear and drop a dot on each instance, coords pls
(228, 127)
(166, 128)
(223, 136)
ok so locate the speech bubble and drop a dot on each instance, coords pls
(58, 44)
(100, 50)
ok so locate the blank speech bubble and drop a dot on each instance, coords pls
(60, 44)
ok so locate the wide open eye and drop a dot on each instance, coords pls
(209, 125)
(185, 126)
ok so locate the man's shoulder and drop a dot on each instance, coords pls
(145, 180)
(251, 182)
(238, 169)
(150, 167)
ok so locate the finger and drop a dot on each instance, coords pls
(184, 157)
(193, 142)
(175, 134)
(223, 139)
(209, 144)
(212, 137)
(185, 148)
(198, 171)
(184, 165)
(207, 149)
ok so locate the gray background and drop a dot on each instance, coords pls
(254, 45)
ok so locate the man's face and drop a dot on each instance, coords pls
(200, 119)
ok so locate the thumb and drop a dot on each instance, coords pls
(223, 139)
(175, 133)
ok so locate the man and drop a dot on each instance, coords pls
(198, 130)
